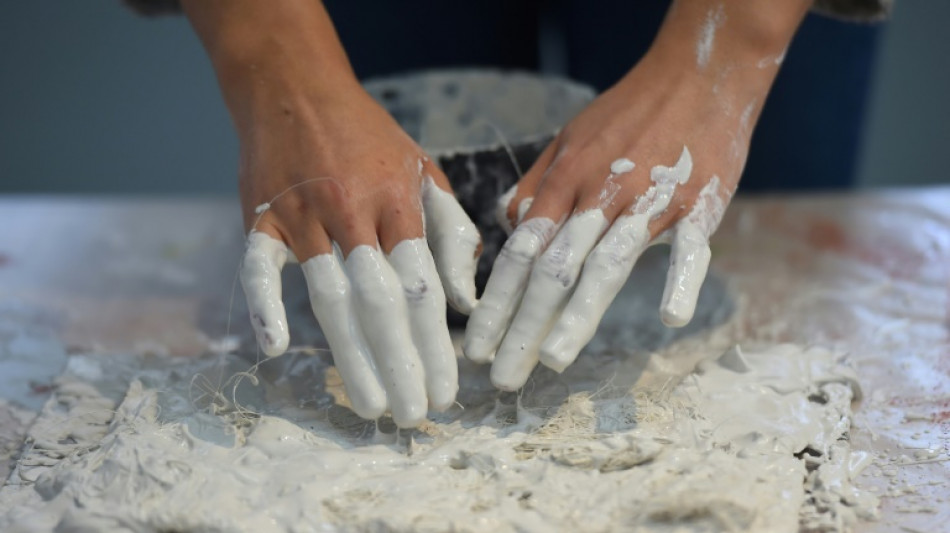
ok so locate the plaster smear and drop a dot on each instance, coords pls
(707, 36)
(646, 439)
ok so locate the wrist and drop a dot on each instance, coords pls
(721, 37)
(271, 51)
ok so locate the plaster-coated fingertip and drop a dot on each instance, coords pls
(556, 359)
(443, 400)
(411, 417)
(474, 351)
(506, 381)
(370, 409)
(272, 343)
(462, 297)
(673, 318)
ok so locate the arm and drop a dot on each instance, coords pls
(329, 178)
(655, 158)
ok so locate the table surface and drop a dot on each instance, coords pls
(867, 273)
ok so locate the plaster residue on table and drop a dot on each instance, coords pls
(867, 275)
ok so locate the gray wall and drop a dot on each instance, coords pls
(96, 99)
(907, 140)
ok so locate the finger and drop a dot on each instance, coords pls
(511, 210)
(690, 256)
(505, 287)
(508, 279)
(606, 270)
(501, 209)
(425, 300)
(332, 301)
(551, 283)
(689, 261)
(455, 244)
(383, 314)
(263, 259)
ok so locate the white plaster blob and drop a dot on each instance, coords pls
(755, 441)
(622, 166)
(611, 187)
(707, 36)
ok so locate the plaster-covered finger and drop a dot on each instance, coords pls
(689, 261)
(430, 333)
(263, 260)
(690, 255)
(455, 244)
(381, 307)
(514, 203)
(504, 206)
(505, 287)
(550, 285)
(605, 271)
(331, 298)
(611, 262)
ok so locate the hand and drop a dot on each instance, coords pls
(654, 159)
(327, 176)
(378, 297)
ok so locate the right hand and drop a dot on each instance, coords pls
(329, 178)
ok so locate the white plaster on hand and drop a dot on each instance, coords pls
(383, 316)
(260, 276)
(557, 297)
(504, 203)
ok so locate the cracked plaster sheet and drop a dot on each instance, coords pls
(754, 439)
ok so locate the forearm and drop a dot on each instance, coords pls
(728, 42)
(264, 49)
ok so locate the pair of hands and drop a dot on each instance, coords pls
(329, 178)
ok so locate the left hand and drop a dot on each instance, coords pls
(654, 159)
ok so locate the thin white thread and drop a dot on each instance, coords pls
(506, 145)
(218, 402)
